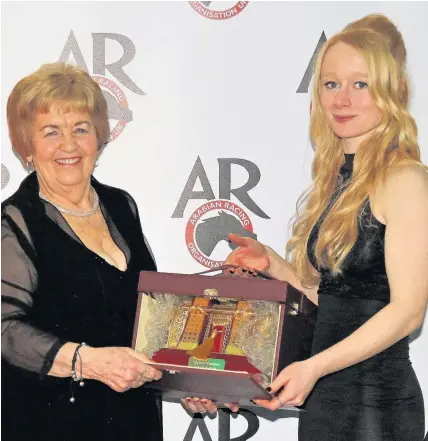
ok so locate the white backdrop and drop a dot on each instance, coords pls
(199, 82)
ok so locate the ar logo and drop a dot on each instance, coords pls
(117, 103)
(304, 84)
(211, 222)
(225, 187)
(223, 427)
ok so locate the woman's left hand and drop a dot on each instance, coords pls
(298, 380)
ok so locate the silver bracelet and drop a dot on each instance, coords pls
(74, 376)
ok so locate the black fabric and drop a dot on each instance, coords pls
(79, 297)
(23, 344)
(378, 399)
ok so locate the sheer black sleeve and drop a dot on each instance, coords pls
(23, 345)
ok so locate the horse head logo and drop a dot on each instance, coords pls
(114, 109)
(214, 229)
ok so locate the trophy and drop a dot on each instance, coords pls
(220, 337)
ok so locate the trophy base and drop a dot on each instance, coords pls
(237, 363)
(216, 385)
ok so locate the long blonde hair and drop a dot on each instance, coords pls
(380, 44)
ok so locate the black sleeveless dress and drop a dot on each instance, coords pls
(80, 298)
(376, 400)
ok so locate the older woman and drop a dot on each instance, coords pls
(72, 249)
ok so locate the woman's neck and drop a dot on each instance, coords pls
(68, 196)
(351, 145)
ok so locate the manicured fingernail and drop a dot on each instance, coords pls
(268, 389)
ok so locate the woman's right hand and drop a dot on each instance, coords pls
(120, 368)
(202, 405)
(250, 254)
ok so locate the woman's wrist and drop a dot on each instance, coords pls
(276, 264)
(61, 366)
(281, 269)
(319, 364)
(89, 357)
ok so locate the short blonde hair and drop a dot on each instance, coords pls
(55, 82)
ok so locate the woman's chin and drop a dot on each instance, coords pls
(72, 177)
(347, 134)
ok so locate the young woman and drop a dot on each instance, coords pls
(359, 247)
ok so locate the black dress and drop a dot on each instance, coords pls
(56, 290)
(378, 399)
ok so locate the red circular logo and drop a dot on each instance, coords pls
(203, 8)
(210, 224)
(117, 105)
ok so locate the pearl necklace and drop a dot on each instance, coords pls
(94, 208)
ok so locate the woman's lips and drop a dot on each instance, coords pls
(343, 119)
(68, 161)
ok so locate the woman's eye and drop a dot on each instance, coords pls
(81, 130)
(330, 84)
(51, 134)
(361, 85)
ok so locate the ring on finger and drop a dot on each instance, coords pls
(279, 401)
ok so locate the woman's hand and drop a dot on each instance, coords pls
(118, 367)
(250, 254)
(203, 405)
(298, 379)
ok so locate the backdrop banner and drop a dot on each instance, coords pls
(209, 114)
